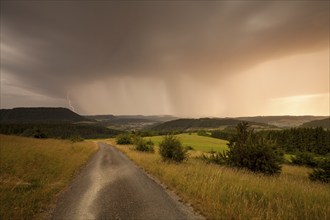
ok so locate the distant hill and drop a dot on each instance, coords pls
(282, 121)
(157, 118)
(132, 118)
(130, 122)
(39, 115)
(325, 123)
(100, 117)
(118, 119)
(189, 124)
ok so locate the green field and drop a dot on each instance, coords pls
(200, 143)
(33, 171)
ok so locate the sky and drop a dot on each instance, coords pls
(182, 58)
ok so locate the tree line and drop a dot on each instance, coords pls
(314, 140)
(293, 140)
(60, 130)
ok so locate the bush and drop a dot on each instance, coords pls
(76, 138)
(188, 148)
(124, 139)
(221, 134)
(214, 157)
(202, 133)
(247, 150)
(143, 145)
(304, 158)
(171, 149)
(34, 132)
(321, 172)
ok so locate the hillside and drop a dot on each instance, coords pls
(155, 118)
(282, 121)
(39, 115)
(100, 117)
(132, 118)
(58, 130)
(325, 123)
(190, 124)
(129, 122)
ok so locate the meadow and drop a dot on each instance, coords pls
(34, 171)
(199, 143)
(220, 192)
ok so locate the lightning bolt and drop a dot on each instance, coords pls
(69, 101)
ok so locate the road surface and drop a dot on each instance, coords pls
(112, 187)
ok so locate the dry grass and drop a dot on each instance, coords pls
(225, 193)
(33, 171)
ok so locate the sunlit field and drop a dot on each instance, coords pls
(225, 193)
(200, 143)
(33, 171)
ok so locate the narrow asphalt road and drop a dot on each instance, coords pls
(112, 187)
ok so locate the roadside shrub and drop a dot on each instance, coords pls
(321, 172)
(124, 139)
(171, 149)
(34, 132)
(304, 158)
(39, 134)
(247, 150)
(214, 157)
(143, 145)
(188, 148)
(76, 138)
(150, 142)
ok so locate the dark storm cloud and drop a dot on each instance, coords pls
(48, 46)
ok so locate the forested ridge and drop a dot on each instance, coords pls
(58, 130)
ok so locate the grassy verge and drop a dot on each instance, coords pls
(225, 193)
(33, 171)
(200, 143)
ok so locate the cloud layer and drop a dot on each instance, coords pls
(156, 57)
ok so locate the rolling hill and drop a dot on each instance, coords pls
(50, 123)
(282, 121)
(124, 119)
(325, 123)
(39, 115)
(191, 124)
(155, 118)
(100, 117)
(129, 122)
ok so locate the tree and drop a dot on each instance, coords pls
(39, 134)
(171, 149)
(304, 158)
(321, 172)
(248, 150)
(202, 133)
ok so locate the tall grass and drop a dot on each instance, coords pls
(33, 171)
(225, 193)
